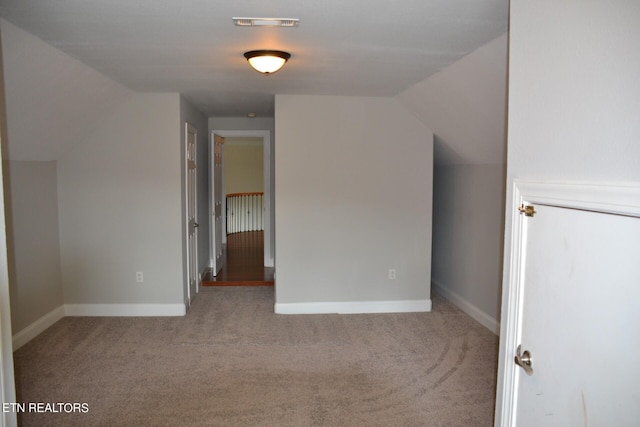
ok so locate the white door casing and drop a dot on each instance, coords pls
(571, 302)
(7, 377)
(191, 137)
(7, 389)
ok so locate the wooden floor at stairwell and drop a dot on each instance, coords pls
(243, 262)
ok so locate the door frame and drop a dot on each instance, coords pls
(7, 376)
(619, 199)
(269, 223)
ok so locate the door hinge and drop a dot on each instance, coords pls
(527, 210)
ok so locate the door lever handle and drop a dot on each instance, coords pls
(524, 360)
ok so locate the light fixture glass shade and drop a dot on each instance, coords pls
(267, 61)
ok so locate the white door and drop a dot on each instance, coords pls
(574, 310)
(192, 209)
(216, 213)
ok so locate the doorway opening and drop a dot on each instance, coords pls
(243, 262)
(241, 209)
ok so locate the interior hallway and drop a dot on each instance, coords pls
(243, 262)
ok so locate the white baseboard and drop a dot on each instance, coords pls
(355, 307)
(126, 310)
(99, 310)
(480, 316)
(33, 330)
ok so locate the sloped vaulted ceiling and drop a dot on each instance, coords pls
(465, 106)
(355, 47)
(53, 100)
(359, 48)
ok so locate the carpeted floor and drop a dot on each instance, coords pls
(232, 362)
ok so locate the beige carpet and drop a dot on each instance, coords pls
(232, 362)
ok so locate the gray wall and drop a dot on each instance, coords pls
(574, 99)
(353, 199)
(465, 105)
(467, 238)
(120, 207)
(108, 189)
(33, 241)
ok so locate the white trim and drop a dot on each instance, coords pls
(101, 310)
(620, 199)
(478, 315)
(127, 310)
(612, 198)
(355, 307)
(37, 327)
(7, 381)
(510, 334)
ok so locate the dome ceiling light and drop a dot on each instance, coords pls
(267, 61)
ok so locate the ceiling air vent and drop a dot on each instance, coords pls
(265, 22)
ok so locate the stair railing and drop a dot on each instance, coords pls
(245, 212)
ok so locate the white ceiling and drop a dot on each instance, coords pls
(354, 47)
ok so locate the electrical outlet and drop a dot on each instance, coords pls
(139, 277)
(392, 274)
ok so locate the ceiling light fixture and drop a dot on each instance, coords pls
(265, 22)
(267, 61)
